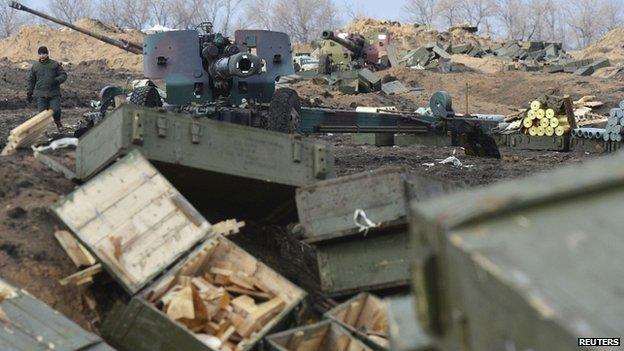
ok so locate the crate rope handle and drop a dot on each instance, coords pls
(362, 221)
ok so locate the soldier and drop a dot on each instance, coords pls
(44, 83)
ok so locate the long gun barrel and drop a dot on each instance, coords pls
(354, 47)
(125, 45)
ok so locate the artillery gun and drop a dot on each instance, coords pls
(207, 74)
(353, 51)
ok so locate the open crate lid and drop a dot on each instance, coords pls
(133, 220)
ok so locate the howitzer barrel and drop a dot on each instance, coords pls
(238, 65)
(348, 44)
(125, 45)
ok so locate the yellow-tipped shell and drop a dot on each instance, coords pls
(544, 122)
(550, 131)
(536, 105)
(541, 131)
(561, 130)
(533, 131)
(553, 122)
(531, 114)
(527, 122)
(550, 113)
(540, 113)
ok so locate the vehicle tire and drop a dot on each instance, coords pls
(324, 65)
(284, 111)
(146, 96)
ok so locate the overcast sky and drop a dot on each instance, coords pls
(381, 9)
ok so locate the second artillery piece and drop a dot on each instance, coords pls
(354, 51)
(208, 74)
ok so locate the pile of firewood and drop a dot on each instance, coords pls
(27, 133)
(224, 307)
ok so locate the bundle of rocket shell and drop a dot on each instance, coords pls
(541, 121)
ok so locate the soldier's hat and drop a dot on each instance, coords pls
(42, 50)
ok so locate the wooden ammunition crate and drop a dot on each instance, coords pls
(350, 259)
(365, 316)
(326, 336)
(187, 284)
(240, 168)
(528, 265)
(30, 325)
(526, 142)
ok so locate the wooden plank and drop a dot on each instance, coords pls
(26, 133)
(227, 227)
(82, 277)
(76, 252)
(54, 165)
(569, 109)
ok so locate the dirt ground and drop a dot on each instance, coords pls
(488, 93)
(31, 258)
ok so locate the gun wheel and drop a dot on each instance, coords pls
(284, 111)
(146, 96)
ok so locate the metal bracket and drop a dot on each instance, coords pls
(297, 148)
(196, 132)
(137, 128)
(161, 125)
(320, 161)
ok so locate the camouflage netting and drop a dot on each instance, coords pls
(67, 45)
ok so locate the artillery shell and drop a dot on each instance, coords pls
(531, 114)
(561, 130)
(550, 113)
(536, 105)
(544, 122)
(527, 123)
(533, 131)
(550, 131)
(541, 113)
(541, 131)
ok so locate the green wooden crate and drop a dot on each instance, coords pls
(30, 325)
(325, 335)
(351, 259)
(526, 142)
(243, 169)
(530, 264)
(146, 235)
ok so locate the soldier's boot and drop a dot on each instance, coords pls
(59, 125)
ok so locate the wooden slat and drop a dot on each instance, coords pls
(76, 252)
(83, 277)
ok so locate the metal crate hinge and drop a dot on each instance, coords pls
(297, 148)
(137, 128)
(320, 161)
(196, 132)
(161, 126)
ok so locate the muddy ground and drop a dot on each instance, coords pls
(31, 258)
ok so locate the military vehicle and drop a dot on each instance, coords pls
(353, 51)
(206, 74)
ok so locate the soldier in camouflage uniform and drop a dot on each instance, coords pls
(44, 84)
